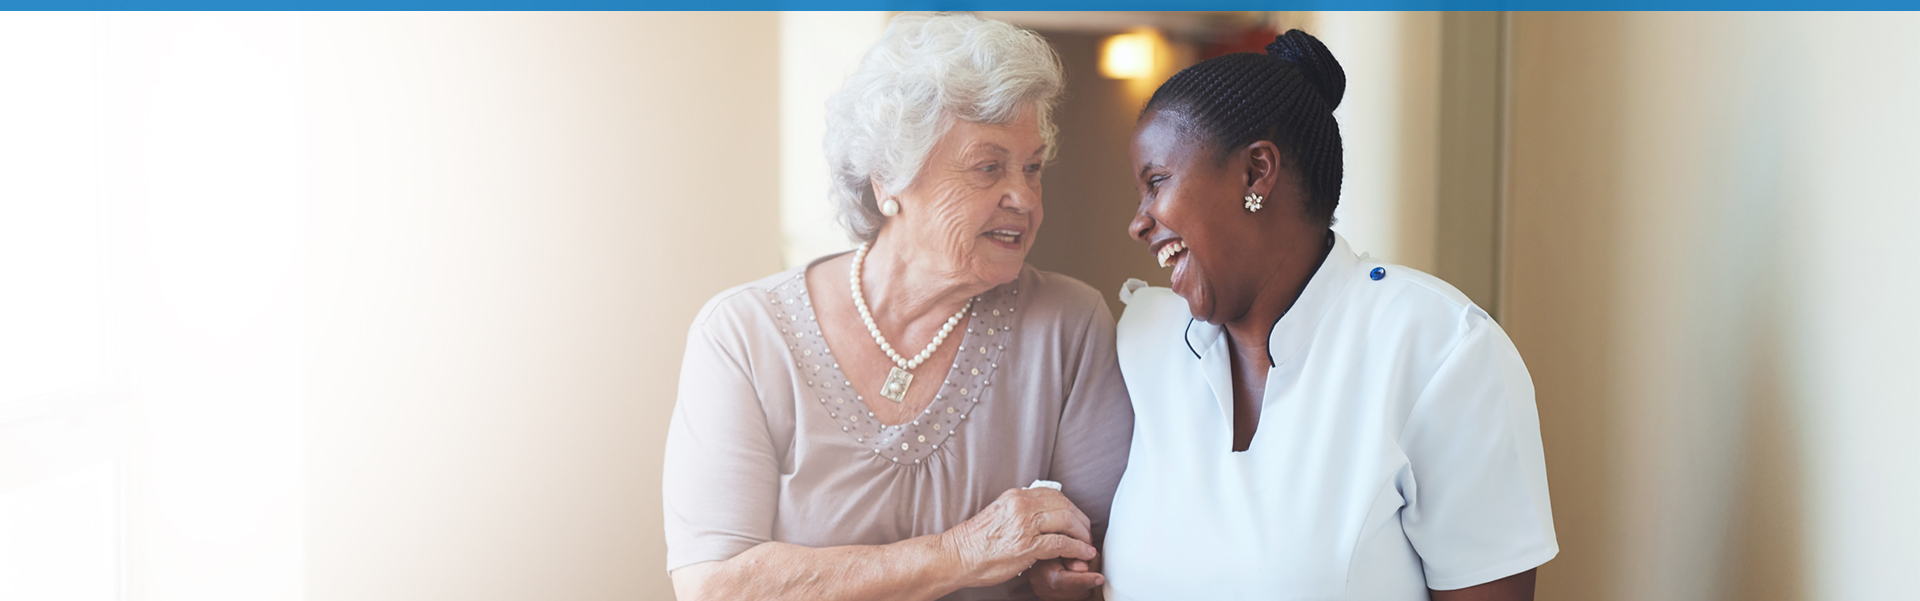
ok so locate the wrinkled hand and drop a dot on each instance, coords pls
(1021, 527)
(1064, 579)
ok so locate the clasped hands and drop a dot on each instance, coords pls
(1035, 530)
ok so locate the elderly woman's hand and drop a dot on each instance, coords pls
(1023, 526)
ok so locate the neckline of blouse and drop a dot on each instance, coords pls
(1296, 326)
(964, 390)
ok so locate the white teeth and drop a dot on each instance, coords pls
(1167, 252)
(1005, 236)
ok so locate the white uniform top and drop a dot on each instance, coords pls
(1398, 448)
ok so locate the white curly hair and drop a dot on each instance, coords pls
(926, 71)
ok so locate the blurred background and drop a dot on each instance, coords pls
(390, 306)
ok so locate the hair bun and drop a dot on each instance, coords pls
(1313, 58)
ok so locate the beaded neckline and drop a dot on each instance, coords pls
(965, 386)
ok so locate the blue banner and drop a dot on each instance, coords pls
(959, 5)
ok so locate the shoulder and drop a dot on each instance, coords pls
(1058, 297)
(1410, 301)
(744, 303)
(1425, 322)
(1151, 310)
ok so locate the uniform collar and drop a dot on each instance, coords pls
(1296, 326)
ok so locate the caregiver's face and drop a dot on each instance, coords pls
(976, 202)
(1192, 219)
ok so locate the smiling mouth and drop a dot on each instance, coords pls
(1171, 250)
(1007, 236)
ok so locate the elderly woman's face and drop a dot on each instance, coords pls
(976, 202)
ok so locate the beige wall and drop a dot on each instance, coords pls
(1392, 202)
(512, 221)
(817, 52)
(1090, 196)
(363, 306)
(1710, 271)
(1389, 129)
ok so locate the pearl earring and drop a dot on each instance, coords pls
(890, 208)
(1252, 202)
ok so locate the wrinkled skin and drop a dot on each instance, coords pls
(978, 178)
(965, 225)
(940, 250)
(1021, 527)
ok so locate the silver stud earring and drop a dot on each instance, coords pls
(1252, 202)
(890, 208)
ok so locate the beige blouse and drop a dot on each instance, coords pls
(769, 442)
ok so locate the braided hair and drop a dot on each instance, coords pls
(1285, 96)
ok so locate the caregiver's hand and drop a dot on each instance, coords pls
(1064, 579)
(1021, 527)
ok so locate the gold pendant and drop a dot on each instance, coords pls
(896, 387)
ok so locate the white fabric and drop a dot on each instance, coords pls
(1398, 449)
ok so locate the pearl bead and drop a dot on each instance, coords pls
(866, 315)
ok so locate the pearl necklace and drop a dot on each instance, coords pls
(895, 388)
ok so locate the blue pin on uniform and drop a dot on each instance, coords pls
(1378, 272)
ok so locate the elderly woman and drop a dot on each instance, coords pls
(1325, 425)
(865, 426)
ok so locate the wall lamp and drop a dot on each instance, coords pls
(1132, 55)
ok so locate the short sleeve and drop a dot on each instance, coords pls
(1096, 425)
(1478, 509)
(721, 478)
